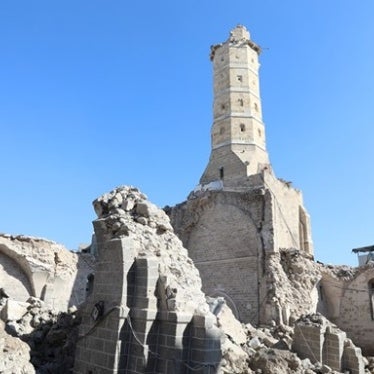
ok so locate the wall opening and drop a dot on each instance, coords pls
(242, 127)
(371, 297)
(221, 173)
(89, 284)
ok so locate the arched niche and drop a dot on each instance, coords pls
(13, 279)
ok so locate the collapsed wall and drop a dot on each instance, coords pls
(319, 340)
(147, 312)
(299, 286)
(44, 269)
(347, 297)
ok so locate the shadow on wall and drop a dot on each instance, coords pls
(14, 280)
(157, 340)
(84, 280)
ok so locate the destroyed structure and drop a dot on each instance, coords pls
(137, 304)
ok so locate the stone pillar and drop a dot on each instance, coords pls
(172, 342)
(352, 358)
(333, 349)
(308, 342)
(205, 351)
(99, 347)
(139, 345)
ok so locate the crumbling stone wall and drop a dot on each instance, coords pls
(320, 341)
(14, 354)
(14, 279)
(290, 287)
(147, 312)
(230, 234)
(349, 294)
(290, 220)
(44, 269)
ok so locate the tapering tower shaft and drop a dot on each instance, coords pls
(238, 133)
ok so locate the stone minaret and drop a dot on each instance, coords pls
(238, 133)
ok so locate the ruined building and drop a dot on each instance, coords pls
(142, 306)
(240, 214)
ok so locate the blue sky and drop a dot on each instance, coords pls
(95, 94)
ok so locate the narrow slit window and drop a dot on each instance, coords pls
(371, 297)
(221, 173)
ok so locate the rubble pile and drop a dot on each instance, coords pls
(34, 337)
(291, 285)
(126, 212)
(14, 354)
(44, 337)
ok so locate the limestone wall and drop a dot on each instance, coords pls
(320, 341)
(14, 280)
(222, 231)
(356, 309)
(291, 222)
(231, 234)
(44, 269)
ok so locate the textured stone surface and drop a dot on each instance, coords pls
(322, 342)
(45, 269)
(155, 317)
(238, 133)
(14, 354)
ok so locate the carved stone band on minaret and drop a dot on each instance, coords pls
(238, 147)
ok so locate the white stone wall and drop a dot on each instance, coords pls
(356, 310)
(13, 279)
(44, 269)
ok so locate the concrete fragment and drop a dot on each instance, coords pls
(231, 326)
(13, 310)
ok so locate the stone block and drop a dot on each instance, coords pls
(145, 303)
(13, 310)
(96, 344)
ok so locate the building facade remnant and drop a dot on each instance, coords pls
(44, 269)
(147, 313)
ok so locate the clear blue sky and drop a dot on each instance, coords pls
(95, 94)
